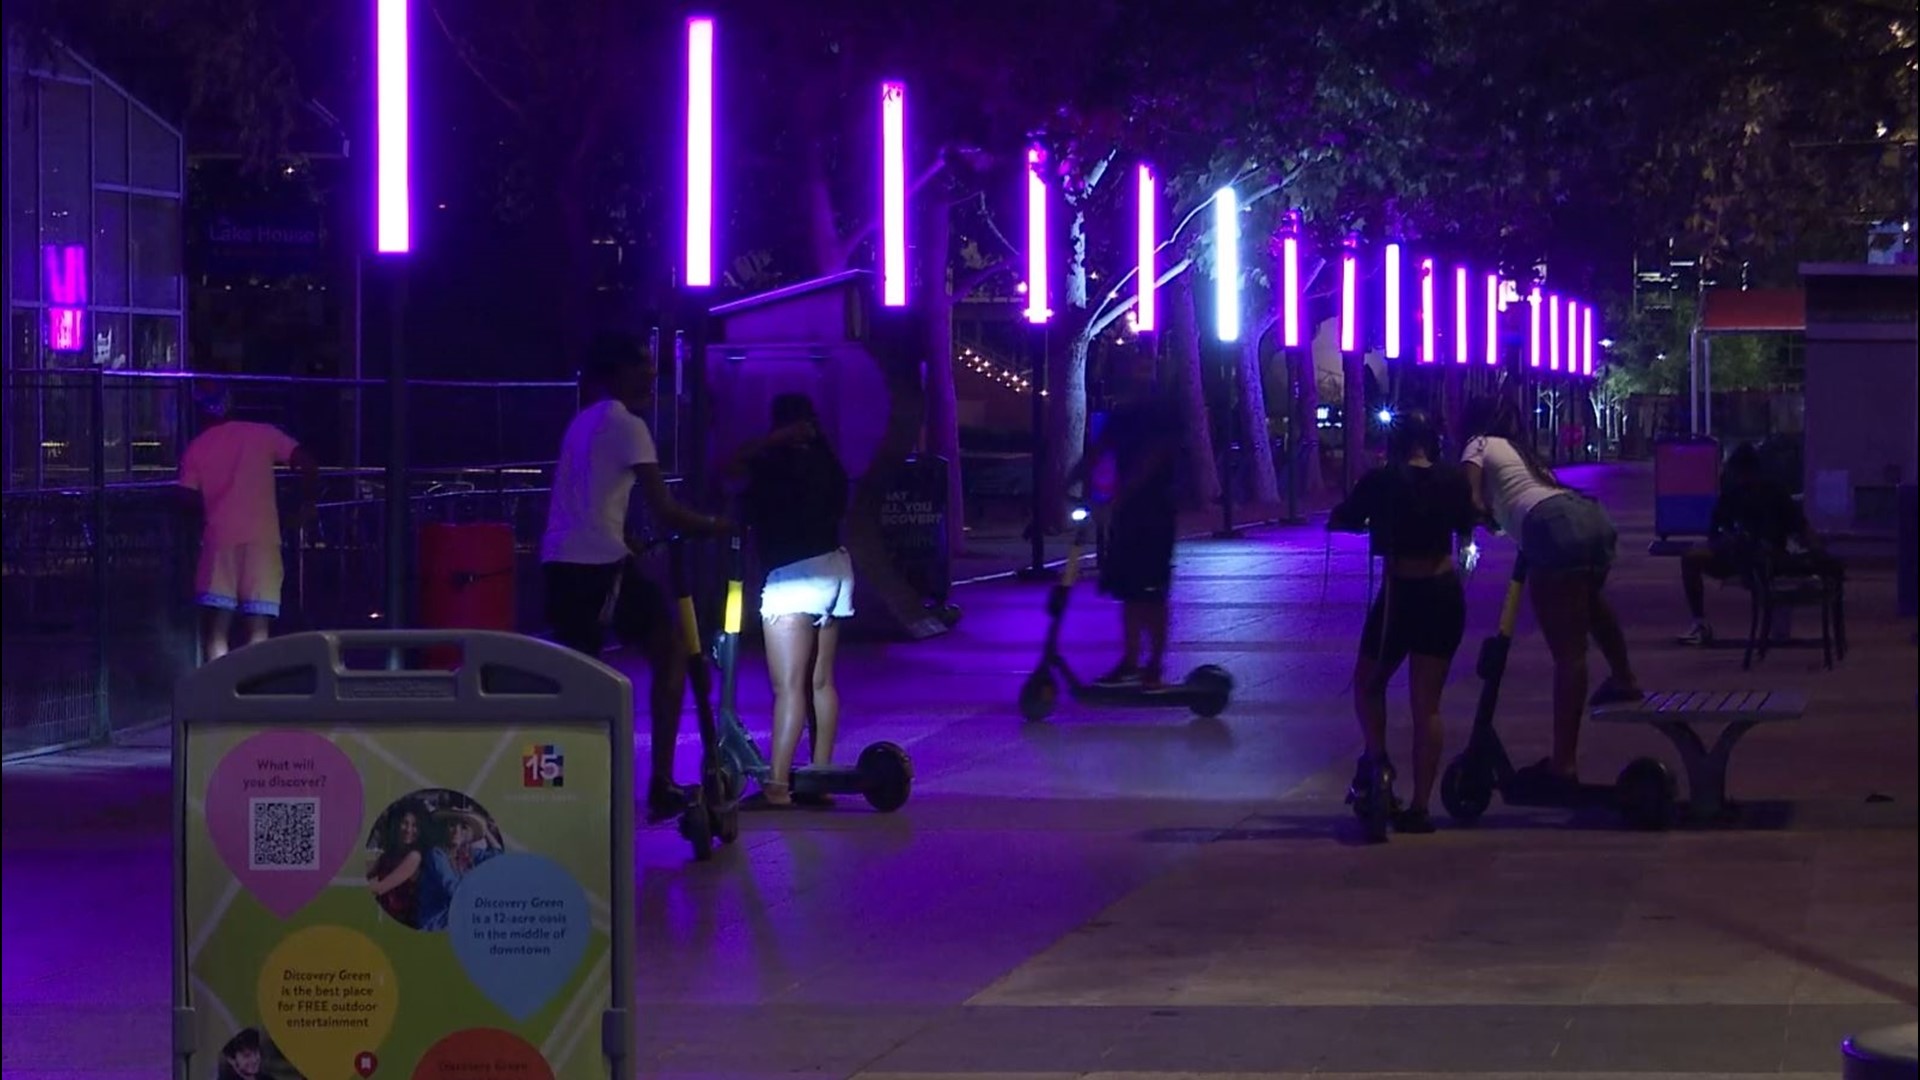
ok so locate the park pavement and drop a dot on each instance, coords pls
(1141, 895)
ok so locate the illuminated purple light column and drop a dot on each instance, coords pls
(393, 236)
(893, 194)
(1553, 331)
(1586, 341)
(1460, 342)
(1493, 320)
(699, 272)
(1349, 298)
(1391, 301)
(1037, 313)
(1147, 243)
(1290, 283)
(1428, 350)
(1037, 289)
(1533, 328)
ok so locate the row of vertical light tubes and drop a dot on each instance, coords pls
(1567, 344)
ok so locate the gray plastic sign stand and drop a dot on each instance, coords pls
(385, 870)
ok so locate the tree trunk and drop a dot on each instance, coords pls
(1183, 352)
(936, 300)
(1066, 410)
(823, 227)
(1353, 424)
(1256, 444)
(1304, 424)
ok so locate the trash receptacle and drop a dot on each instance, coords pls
(1686, 484)
(466, 580)
(913, 521)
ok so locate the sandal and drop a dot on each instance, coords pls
(771, 796)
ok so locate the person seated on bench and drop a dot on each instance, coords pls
(1755, 514)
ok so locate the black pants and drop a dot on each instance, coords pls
(583, 599)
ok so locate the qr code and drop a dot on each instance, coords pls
(284, 834)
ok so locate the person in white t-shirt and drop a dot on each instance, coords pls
(1569, 543)
(230, 467)
(592, 580)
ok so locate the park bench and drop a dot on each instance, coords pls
(1680, 714)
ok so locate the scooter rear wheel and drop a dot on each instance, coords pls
(1646, 795)
(1466, 790)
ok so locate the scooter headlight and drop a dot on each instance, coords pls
(1078, 515)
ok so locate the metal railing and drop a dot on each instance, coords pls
(96, 619)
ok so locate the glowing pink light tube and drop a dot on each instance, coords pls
(1553, 331)
(1586, 340)
(393, 184)
(1493, 320)
(1037, 311)
(1460, 315)
(1290, 284)
(893, 194)
(1349, 300)
(1392, 272)
(700, 152)
(66, 288)
(1147, 240)
(1427, 347)
(1533, 327)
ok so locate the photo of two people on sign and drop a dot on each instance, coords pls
(421, 847)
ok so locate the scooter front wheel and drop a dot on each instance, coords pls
(1039, 696)
(1466, 790)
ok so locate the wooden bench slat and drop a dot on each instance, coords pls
(1708, 706)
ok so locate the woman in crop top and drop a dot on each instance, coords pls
(795, 499)
(1569, 543)
(1416, 510)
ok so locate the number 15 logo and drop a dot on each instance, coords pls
(543, 766)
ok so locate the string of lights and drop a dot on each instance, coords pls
(1007, 377)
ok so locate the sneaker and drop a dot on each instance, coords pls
(1612, 692)
(667, 800)
(1361, 788)
(1122, 675)
(1414, 821)
(1700, 636)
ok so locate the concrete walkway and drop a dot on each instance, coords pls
(1141, 895)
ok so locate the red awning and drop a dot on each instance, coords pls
(1753, 311)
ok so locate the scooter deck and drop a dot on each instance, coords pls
(1173, 696)
(1578, 797)
(828, 780)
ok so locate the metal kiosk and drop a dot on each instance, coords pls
(399, 872)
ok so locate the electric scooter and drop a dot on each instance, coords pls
(882, 775)
(713, 805)
(1644, 795)
(1205, 690)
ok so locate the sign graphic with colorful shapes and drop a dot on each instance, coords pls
(399, 901)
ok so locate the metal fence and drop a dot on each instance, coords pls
(99, 547)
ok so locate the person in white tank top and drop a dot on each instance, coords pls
(1569, 544)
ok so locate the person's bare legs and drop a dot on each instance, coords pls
(790, 647)
(1693, 580)
(826, 693)
(1153, 622)
(1426, 681)
(1370, 704)
(258, 628)
(1609, 637)
(216, 631)
(1560, 606)
(666, 693)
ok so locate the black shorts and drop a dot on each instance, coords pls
(1137, 563)
(582, 602)
(1424, 616)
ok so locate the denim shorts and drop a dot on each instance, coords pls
(1569, 532)
(821, 587)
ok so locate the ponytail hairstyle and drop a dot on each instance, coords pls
(1498, 417)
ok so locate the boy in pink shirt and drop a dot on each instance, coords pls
(230, 465)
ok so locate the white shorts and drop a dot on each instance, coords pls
(821, 587)
(240, 577)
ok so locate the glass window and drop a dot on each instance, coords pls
(156, 343)
(23, 183)
(154, 226)
(109, 135)
(154, 407)
(156, 154)
(109, 249)
(66, 150)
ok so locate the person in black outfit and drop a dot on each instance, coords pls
(1755, 515)
(795, 500)
(1414, 509)
(1131, 467)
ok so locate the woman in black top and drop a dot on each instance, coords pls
(1414, 508)
(796, 497)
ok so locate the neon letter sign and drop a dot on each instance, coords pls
(66, 270)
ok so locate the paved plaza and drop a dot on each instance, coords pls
(1141, 895)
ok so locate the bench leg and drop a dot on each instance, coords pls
(1706, 768)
